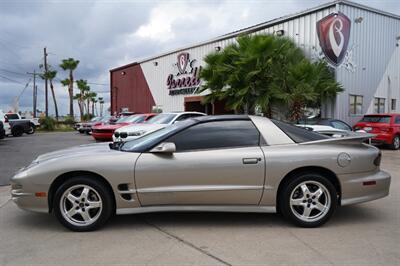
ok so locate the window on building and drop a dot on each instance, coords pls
(356, 103)
(393, 105)
(379, 105)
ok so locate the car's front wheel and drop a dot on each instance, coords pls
(83, 204)
(308, 200)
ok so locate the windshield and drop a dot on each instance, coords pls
(135, 119)
(105, 119)
(147, 141)
(161, 119)
(376, 119)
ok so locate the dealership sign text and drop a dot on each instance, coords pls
(185, 81)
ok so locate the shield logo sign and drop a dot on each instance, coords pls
(183, 59)
(334, 34)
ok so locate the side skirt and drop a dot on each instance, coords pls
(183, 208)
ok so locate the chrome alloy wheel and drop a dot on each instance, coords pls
(81, 205)
(310, 201)
(396, 142)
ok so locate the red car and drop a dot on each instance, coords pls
(386, 127)
(106, 131)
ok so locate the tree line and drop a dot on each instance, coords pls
(87, 100)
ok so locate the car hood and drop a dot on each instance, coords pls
(141, 127)
(82, 150)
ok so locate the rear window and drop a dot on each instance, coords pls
(12, 116)
(376, 119)
(298, 134)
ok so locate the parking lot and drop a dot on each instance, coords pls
(365, 234)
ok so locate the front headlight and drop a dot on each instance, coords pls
(136, 133)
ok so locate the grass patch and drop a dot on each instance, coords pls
(57, 128)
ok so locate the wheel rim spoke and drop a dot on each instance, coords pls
(85, 216)
(85, 193)
(94, 204)
(305, 189)
(318, 193)
(319, 206)
(297, 202)
(72, 198)
(72, 212)
(307, 212)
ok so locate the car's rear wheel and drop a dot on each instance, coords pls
(308, 200)
(31, 129)
(83, 204)
(17, 131)
(395, 143)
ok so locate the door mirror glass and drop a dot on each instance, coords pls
(165, 147)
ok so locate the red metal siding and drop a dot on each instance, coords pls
(129, 89)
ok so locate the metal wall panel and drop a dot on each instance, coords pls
(372, 50)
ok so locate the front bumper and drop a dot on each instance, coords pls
(357, 188)
(102, 136)
(24, 194)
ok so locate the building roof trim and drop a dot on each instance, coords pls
(264, 25)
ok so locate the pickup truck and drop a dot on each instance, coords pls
(17, 124)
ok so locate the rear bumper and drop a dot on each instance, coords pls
(382, 138)
(355, 190)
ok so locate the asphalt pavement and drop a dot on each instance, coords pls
(365, 234)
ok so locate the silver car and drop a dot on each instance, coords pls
(211, 163)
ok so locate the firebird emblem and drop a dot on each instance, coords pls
(334, 34)
(183, 59)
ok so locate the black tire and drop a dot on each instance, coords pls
(291, 212)
(17, 131)
(104, 213)
(31, 129)
(81, 131)
(395, 145)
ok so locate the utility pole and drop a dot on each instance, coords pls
(34, 91)
(45, 84)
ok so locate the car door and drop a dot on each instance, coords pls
(215, 163)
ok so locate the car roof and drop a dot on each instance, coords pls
(221, 117)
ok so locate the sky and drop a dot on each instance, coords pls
(107, 34)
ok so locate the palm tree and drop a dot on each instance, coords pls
(70, 65)
(93, 100)
(84, 89)
(50, 75)
(101, 102)
(266, 71)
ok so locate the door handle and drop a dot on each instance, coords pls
(251, 160)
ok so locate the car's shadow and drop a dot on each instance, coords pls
(342, 217)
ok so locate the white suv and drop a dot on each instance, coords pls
(157, 122)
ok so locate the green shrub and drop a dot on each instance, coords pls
(87, 117)
(69, 120)
(48, 123)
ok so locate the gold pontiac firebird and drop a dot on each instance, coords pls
(234, 163)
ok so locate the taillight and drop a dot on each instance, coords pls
(378, 159)
(5, 119)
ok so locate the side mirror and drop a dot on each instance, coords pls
(165, 147)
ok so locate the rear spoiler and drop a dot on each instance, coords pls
(352, 138)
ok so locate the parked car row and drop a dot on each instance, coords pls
(130, 126)
(15, 125)
(384, 127)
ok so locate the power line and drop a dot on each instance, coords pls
(4, 77)
(13, 72)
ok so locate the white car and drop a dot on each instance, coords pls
(6, 124)
(159, 121)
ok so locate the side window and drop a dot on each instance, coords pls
(217, 135)
(340, 125)
(397, 121)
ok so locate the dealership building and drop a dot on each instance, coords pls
(361, 44)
